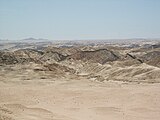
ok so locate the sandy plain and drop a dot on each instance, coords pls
(78, 100)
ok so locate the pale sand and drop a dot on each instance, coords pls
(79, 100)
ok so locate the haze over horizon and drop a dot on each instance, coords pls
(85, 19)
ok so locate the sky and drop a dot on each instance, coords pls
(79, 19)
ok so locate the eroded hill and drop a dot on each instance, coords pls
(102, 63)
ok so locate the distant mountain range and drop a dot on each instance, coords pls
(34, 39)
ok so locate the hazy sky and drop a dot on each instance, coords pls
(79, 19)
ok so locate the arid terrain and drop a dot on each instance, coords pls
(80, 80)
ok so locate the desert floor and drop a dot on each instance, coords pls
(78, 100)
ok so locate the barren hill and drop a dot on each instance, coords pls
(100, 56)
